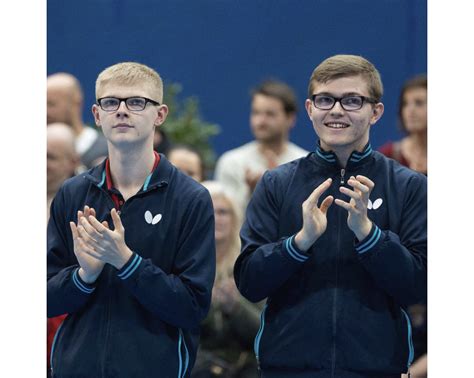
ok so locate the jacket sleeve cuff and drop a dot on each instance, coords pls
(291, 249)
(80, 284)
(370, 240)
(130, 267)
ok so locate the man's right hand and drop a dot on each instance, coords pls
(314, 217)
(90, 267)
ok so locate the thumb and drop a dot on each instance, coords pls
(118, 226)
(326, 204)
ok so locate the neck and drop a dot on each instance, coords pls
(420, 140)
(130, 168)
(277, 146)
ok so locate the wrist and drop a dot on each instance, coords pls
(87, 277)
(124, 258)
(303, 243)
(362, 233)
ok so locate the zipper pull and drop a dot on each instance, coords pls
(343, 171)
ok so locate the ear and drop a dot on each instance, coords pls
(161, 115)
(377, 113)
(308, 104)
(95, 112)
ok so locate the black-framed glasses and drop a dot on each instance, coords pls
(134, 104)
(352, 102)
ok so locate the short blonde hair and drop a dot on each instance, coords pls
(338, 66)
(128, 73)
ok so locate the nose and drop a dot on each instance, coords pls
(337, 108)
(122, 109)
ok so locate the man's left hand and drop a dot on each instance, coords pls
(357, 219)
(105, 244)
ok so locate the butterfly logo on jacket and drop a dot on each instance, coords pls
(150, 219)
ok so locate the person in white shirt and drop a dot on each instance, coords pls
(272, 116)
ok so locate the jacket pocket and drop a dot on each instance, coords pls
(55, 339)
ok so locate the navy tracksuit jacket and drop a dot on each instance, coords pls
(339, 309)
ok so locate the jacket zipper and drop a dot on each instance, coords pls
(410, 340)
(343, 172)
(334, 309)
(54, 345)
(256, 345)
(182, 340)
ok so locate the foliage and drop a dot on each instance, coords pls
(184, 124)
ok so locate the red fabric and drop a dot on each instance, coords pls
(53, 325)
(388, 150)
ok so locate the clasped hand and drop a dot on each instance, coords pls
(96, 244)
(315, 218)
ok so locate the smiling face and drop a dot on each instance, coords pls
(124, 127)
(340, 130)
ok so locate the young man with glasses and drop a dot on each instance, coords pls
(337, 279)
(131, 255)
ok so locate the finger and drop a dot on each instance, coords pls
(117, 221)
(364, 189)
(91, 230)
(366, 181)
(314, 196)
(356, 196)
(84, 235)
(98, 227)
(343, 204)
(326, 204)
(75, 234)
(105, 224)
(80, 214)
(93, 213)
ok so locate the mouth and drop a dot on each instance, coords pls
(122, 126)
(336, 125)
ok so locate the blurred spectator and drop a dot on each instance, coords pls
(228, 332)
(64, 104)
(188, 160)
(62, 160)
(411, 151)
(273, 114)
(161, 142)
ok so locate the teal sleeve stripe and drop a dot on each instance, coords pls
(293, 252)
(79, 285)
(121, 274)
(132, 267)
(371, 242)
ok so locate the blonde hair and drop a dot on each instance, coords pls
(128, 73)
(338, 66)
(225, 268)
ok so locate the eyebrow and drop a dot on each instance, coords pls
(345, 94)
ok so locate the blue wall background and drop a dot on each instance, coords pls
(219, 49)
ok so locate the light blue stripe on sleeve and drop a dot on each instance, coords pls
(371, 242)
(131, 268)
(294, 254)
(79, 285)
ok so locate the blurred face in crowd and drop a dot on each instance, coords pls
(268, 120)
(188, 162)
(224, 219)
(414, 110)
(60, 106)
(61, 158)
(338, 129)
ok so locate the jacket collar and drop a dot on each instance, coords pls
(355, 159)
(159, 177)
